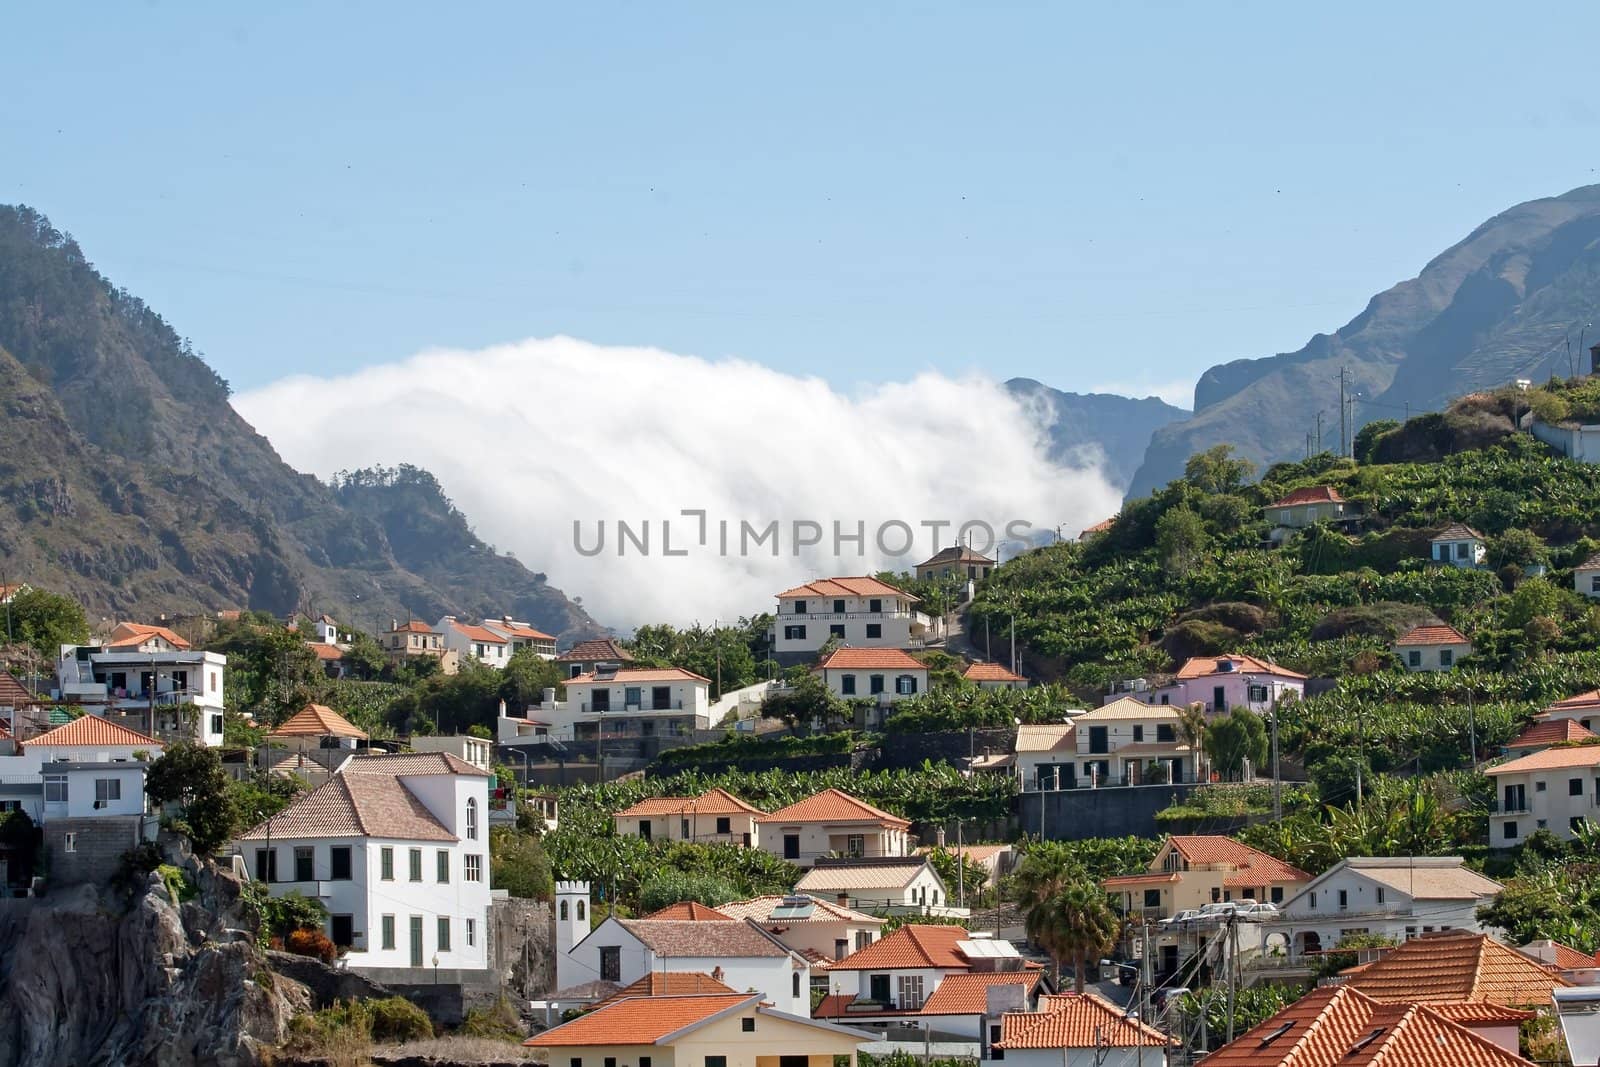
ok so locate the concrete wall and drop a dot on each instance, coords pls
(98, 845)
(1113, 812)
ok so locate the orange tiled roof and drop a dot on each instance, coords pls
(1549, 759)
(1570, 959)
(358, 805)
(825, 911)
(1254, 866)
(1457, 966)
(1316, 494)
(1071, 1020)
(863, 585)
(689, 911)
(1433, 635)
(519, 630)
(642, 675)
(833, 805)
(990, 672)
(316, 720)
(716, 801)
(869, 659)
(1479, 1012)
(677, 938)
(1100, 527)
(596, 650)
(13, 694)
(133, 634)
(413, 626)
(668, 984)
(641, 1020)
(475, 633)
(912, 945)
(1549, 732)
(92, 731)
(1581, 702)
(1205, 666)
(324, 651)
(1338, 1026)
(968, 994)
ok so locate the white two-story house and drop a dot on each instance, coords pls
(883, 885)
(470, 641)
(832, 823)
(149, 679)
(883, 676)
(520, 635)
(861, 611)
(397, 848)
(631, 702)
(1432, 648)
(1128, 742)
(715, 817)
(1553, 789)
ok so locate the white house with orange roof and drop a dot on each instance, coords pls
(993, 676)
(1129, 742)
(1230, 681)
(714, 817)
(883, 676)
(522, 635)
(859, 611)
(474, 642)
(150, 678)
(1458, 545)
(883, 885)
(397, 848)
(832, 823)
(1583, 709)
(811, 924)
(311, 744)
(1544, 733)
(1432, 648)
(1553, 789)
(1307, 507)
(416, 639)
(631, 702)
(589, 656)
(1078, 1030)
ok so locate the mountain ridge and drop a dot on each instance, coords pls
(1081, 425)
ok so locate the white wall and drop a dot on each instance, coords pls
(1552, 809)
(82, 788)
(834, 679)
(896, 621)
(821, 839)
(1430, 658)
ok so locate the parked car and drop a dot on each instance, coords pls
(1219, 909)
(1183, 918)
(1257, 910)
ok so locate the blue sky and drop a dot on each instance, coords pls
(1106, 195)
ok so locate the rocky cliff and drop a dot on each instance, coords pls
(1102, 428)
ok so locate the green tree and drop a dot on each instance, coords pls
(44, 621)
(524, 679)
(191, 776)
(1517, 546)
(674, 887)
(1192, 727)
(1367, 438)
(1181, 539)
(1238, 736)
(518, 864)
(1217, 470)
(1075, 924)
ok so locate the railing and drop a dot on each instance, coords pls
(1520, 809)
(826, 616)
(671, 705)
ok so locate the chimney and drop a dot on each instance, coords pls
(394, 624)
(548, 698)
(938, 837)
(843, 899)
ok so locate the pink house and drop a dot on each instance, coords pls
(1231, 681)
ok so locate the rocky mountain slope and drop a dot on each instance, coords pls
(128, 481)
(1117, 429)
(1495, 307)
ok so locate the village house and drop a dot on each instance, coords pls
(957, 560)
(716, 1029)
(1307, 507)
(1586, 577)
(813, 925)
(330, 658)
(520, 635)
(1079, 1030)
(1089, 533)
(1554, 789)
(464, 747)
(1459, 546)
(1129, 742)
(1338, 1025)
(397, 848)
(1399, 897)
(311, 744)
(714, 817)
(621, 951)
(883, 676)
(832, 823)
(150, 679)
(1431, 648)
(1545, 733)
(993, 676)
(470, 641)
(402, 641)
(882, 885)
(1046, 756)
(1578, 968)
(632, 702)
(586, 657)
(1231, 681)
(861, 611)
(1583, 709)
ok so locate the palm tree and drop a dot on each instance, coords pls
(1192, 724)
(1076, 924)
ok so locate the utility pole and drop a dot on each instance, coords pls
(1341, 440)
(1319, 431)
(1472, 722)
(1144, 987)
(961, 869)
(1013, 643)
(1277, 774)
(1233, 969)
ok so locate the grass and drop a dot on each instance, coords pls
(462, 1050)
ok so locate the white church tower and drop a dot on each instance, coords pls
(572, 926)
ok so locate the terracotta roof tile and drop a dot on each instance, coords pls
(990, 672)
(685, 938)
(1316, 494)
(1565, 957)
(325, 652)
(690, 911)
(596, 650)
(406, 764)
(475, 633)
(912, 945)
(1457, 967)
(317, 720)
(825, 911)
(869, 659)
(1047, 737)
(833, 805)
(413, 626)
(1071, 1020)
(1432, 635)
(1128, 708)
(359, 805)
(640, 675)
(1100, 527)
(1205, 666)
(1549, 759)
(1548, 732)
(863, 585)
(13, 694)
(1257, 867)
(669, 984)
(1581, 702)
(1479, 1012)
(92, 731)
(640, 1020)
(716, 801)
(968, 994)
(133, 634)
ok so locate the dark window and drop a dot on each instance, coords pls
(216, 724)
(799, 607)
(1575, 823)
(1277, 894)
(600, 699)
(1446, 657)
(716, 1061)
(339, 863)
(875, 605)
(1516, 797)
(748, 1025)
(794, 633)
(1138, 733)
(267, 864)
(303, 864)
(1414, 658)
(1219, 698)
(847, 685)
(838, 607)
(791, 846)
(661, 697)
(611, 963)
(874, 630)
(1152, 898)
(878, 988)
(1257, 694)
(724, 824)
(1098, 740)
(905, 685)
(875, 683)
(1344, 898)
(1574, 787)
(342, 929)
(1511, 830)
(836, 630)
(644, 1061)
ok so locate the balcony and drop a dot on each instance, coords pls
(631, 709)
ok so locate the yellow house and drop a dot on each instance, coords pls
(1193, 870)
(715, 817)
(704, 1030)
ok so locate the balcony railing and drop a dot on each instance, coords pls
(671, 705)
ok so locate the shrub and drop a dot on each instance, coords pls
(1385, 619)
(395, 1019)
(313, 943)
(1197, 637)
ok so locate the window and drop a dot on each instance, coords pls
(1277, 894)
(442, 866)
(472, 932)
(841, 948)
(794, 633)
(1511, 830)
(416, 865)
(473, 872)
(387, 927)
(1414, 658)
(633, 696)
(1516, 798)
(1152, 898)
(1575, 823)
(216, 724)
(339, 863)
(791, 846)
(1138, 733)
(644, 1061)
(863, 939)
(838, 607)
(1446, 657)
(878, 989)
(799, 607)
(472, 818)
(905, 685)
(1380, 894)
(563, 911)
(908, 991)
(716, 1061)
(874, 605)
(444, 933)
(69, 842)
(1574, 787)
(304, 861)
(267, 864)
(847, 685)
(1344, 898)
(1538, 787)
(342, 928)
(1165, 733)
(1257, 694)
(611, 963)
(55, 789)
(748, 1024)
(1099, 739)
(1461, 550)
(724, 824)
(836, 630)
(855, 845)
(108, 789)
(577, 1061)
(874, 631)
(683, 829)
(875, 684)
(1313, 898)
(386, 864)
(582, 908)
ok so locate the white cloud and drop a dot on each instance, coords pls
(528, 438)
(1179, 392)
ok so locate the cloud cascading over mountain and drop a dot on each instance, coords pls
(542, 441)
